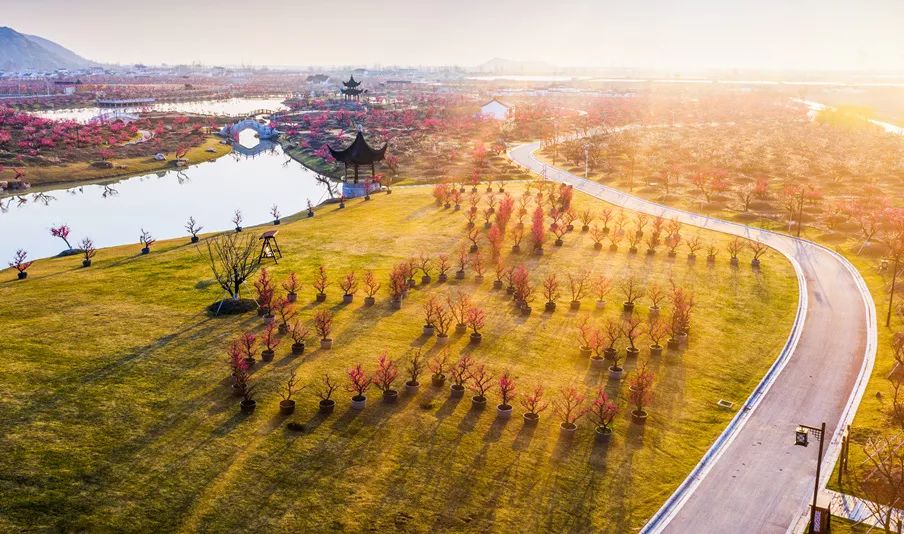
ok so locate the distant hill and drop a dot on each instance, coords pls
(20, 52)
(510, 66)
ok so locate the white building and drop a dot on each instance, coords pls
(496, 110)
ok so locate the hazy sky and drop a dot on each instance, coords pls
(775, 34)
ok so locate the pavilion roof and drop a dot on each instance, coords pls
(359, 152)
(351, 82)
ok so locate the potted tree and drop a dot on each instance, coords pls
(287, 404)
(693, 245)
(415, 368)
(640, 388)
(321, 282)
(443, 266)
(310, 209)
(657, 330)
(569, 406)
(386, 374)
(577, 285)
(299, 333)
(585, 335)
(603, 411)
(517, 235)
(458, 307)
(88, 251)
(246, 389)
(146, 241)
(507, 392)
(430, 311)
(439, 364)
(758, 249)
(538, 231)
(478, 267)
(371, 286)
(265, 293)
(632, 290)
(358, 382)
(327, 404)
(631, 330)
(461, 373)
(551, 291)
(397, 286)
(274, 212)
(21, 264)
(425, 264)
(285, 312)
(323, 324)
(597, 235)
(193, 229)
(656, 295)
(734, 247)
(613, 334)
(442, 320)
(248, 342)
(475, 318)
(236, 364)
(270, 342)
(349, 285)
(533, 405)
(480, 381)
(597, 348)
(291, 287)
(587, 217)
(463, 261)
(711, 252)
(237, 220)
(601, 286)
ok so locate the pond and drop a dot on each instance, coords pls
(252, 179)
(230, 106)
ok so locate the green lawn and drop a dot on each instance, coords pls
(118, 414)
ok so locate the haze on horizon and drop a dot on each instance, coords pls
(804, 35)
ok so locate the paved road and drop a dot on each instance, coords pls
(753, 478)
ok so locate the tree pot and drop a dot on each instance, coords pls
(710, 259)
(558, 242)
(632, 250)
(655, 350)
(411, 388)
(691, 258)
(613, 248)
(267, 355)
(585, 228)
(531, 419)
(327, 406)
(516, 249)
(597, 363)
(238, 229)
(248, 406)
(429, 330)
(269, 318)
(632, 352)
(426, 279)
(347, 299)
(606, 230)
(478, 402)
(461, 328)
(326, 343)
(86, 263)
(672, 253)
(22, 275)
(342, 205)
(310, 214)
(194, 239)
(474, 248)
(755, 264)
(538, 251)
(475, 338)
(651, 252)
(286, 407)
(615, 373)
(321, 297)
(600, 304)
(575, 305)
(510, 290)
(603, 434)
(487, 225)
(497, 284)
(442, 339)
(628, 307)
(438, 380)
(504, 411)
(654, 311)
(597, 246)
(457, 207)
(673, 344)
(358, 402)
(443, 277)
(478, 278)
(249, 361)
(526, 310)
(292, 296)
(396, 303)
(609, 353)
(550, 306)
(276, 221)
(369, 301)
(638, 416)
(682, 340)
(586, 352)
(297, 349)
(459, 275)
(146, 250)
(390, 396)
(734, 262)
(567, 430)
(456, 391)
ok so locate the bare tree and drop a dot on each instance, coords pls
(233, 259)
(880, 479)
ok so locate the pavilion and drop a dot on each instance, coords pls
(355, 155)
(351, 91)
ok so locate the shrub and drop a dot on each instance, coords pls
(386, 374)
(758, 249)
(631, 289)
(601, 286)
(442, 264)
(597, 234)
(461, 371)
(268, 338)
(458, 307)
(88, 248)
(475, 318)
(146, 239)
(248, 343)
(734, 247)
(299, 332)
(477, 265)
(62, 232)
(349, 284)
(505, 210)
(538, 229)
(463, 259)
(415, 367)
(285, 311)
(323, 323)
(398, 282)
(480, 380)
(551, 288)
(321, 281)
(569, 406)
(534, 402)
(371, 285)
(517, 235)
(640, 386)
(603, 410)
(439, 364)
(506, 389)
(291, 388)
(264, 288)
(587, 217)
(19, 261)
(327, 387)
(358, 382)
(577, 285)
(522, 284)
(193, 227)
(495, 236)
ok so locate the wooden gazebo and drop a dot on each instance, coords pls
(359, 153)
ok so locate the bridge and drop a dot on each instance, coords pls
(264, 131)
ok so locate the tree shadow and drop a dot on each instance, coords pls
(448, 407)
(493, 433)
(524, 437)
(470, 420)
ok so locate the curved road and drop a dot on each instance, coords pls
(753, 478)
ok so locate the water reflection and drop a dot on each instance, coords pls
(112, 214)
(230, 106)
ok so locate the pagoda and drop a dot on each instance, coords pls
(351, 91)
(359, 153)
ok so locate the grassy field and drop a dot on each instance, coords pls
(118, 414)
(84, 172)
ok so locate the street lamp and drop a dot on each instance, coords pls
(802, 438)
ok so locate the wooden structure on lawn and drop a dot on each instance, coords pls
(269, 247)
(359, 153)
(351, 89)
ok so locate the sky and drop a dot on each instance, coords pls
(669, 35)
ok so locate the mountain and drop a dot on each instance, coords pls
(19, 52)
(509, 66)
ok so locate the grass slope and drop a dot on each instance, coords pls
(118, 414)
